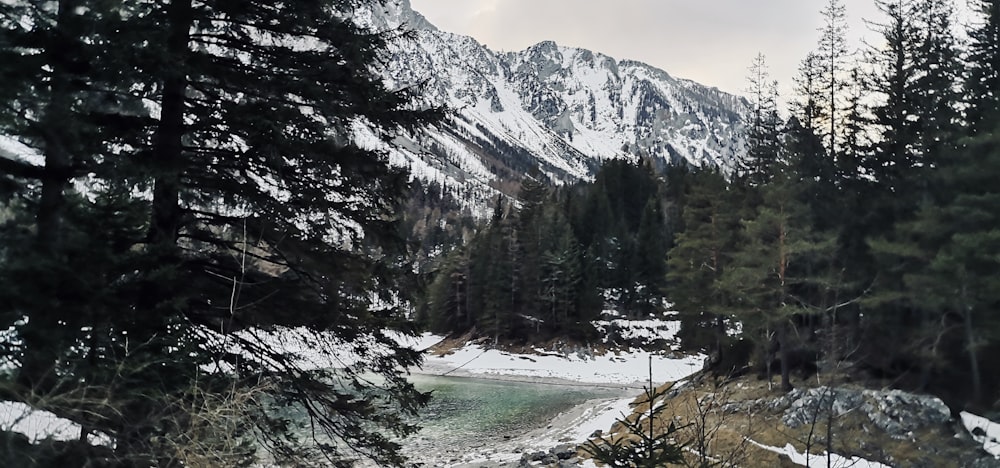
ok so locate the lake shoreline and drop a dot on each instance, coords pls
(447, 369)
(571, 426)
(620, 375)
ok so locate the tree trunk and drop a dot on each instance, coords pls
(166, 166)
(168, 158)
(783, 349)
(970, 347)
(927, 362)
(36, 371)
(768, 356)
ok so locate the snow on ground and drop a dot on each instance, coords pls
(646, 330)
(625, 368)
(991, 439)
(39, 425)
(10, 148)
(836, 461)
(419, 343)
(596, 418)
(312, 350)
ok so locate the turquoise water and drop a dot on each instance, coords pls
(487, 409)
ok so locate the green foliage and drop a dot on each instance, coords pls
(199, 189)
(763, 135)
(779, 268)
(699, 257)
(546, 267)
(983, 59)
(640, 444)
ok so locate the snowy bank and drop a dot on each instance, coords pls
(39, 425)
(629, 368)
(985, 432)
(624, 367)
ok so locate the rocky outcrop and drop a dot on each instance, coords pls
(893, 427)
(895, 412)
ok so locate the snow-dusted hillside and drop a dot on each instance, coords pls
(556, 109)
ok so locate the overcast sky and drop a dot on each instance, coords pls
(709, 41)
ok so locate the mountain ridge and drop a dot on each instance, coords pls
(549, 109)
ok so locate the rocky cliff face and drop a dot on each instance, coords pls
(557, 110)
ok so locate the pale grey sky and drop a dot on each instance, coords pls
(709, 41)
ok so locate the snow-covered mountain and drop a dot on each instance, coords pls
(559, 110)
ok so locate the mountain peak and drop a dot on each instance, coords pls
(393, 14)
(550, 109)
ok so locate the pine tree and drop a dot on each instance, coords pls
(984, 68)
(962, 242)
(774, 272)
(698, 259)
(919, 137)
(763, 135)
(942, 258)
(650, 266)
(804, 139)
(262, 213)
(831, 57)
(561, 271)
(498, 308)
(805, 106)
(530, 229)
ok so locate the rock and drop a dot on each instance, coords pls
(815, 404)
(536, 456)
(978, 432)
(983, 462)
(895, 412)
(898, 413)
(564, 451)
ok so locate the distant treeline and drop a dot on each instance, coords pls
(549, 264)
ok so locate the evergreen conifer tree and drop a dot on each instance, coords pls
(699, 257)
(775, 271)
(257, 212)
(983, 60)
(763, 135)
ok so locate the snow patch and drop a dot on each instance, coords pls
(644, 331)
(10, 148)
(38, 425)
(623, 368)
(989, 432)
(836, 461)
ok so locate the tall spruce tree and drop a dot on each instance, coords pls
(776, 272)
(918, 74)
(942, 258)
(832, 55)
(699, 257)
(983, 59)
(763, 134)
(649, 261)
(234, 122)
